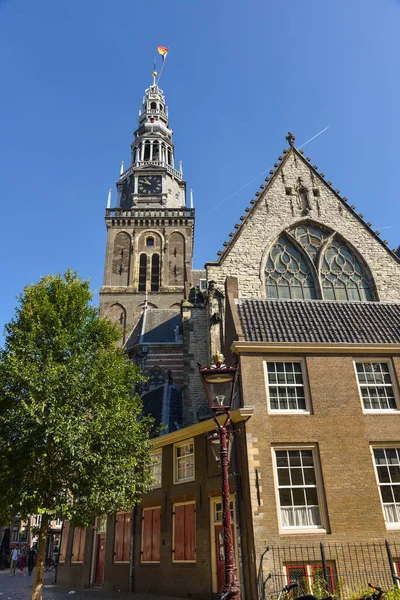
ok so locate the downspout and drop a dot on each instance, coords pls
(132, 555)
(237, 515)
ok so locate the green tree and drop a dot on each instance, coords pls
(71, 442)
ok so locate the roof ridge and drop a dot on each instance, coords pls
(273, 172)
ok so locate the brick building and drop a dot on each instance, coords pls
(306, 297)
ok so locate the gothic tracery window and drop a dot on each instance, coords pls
(287, 273)
(156, 378)
(342, 277)
(328, 269)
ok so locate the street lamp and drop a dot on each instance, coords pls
(219, 382)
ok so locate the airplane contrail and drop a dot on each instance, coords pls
(313, 138)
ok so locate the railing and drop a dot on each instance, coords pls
(145, 213)
(340, 569)
(153, 163)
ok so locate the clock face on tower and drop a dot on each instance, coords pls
(149, 185)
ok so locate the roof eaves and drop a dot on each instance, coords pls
(254, 203)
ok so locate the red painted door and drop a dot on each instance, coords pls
(101, 546)
(220, 554)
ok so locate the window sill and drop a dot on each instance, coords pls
(306, 413)
(301, 530)
(184, 481)
(393, 526)
(381, 411)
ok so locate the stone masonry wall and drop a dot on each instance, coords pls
(195, 350)
(277, 211)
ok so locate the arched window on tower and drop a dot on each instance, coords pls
(156, 151)
(155, 273)
(153, 105)
(150, 241)
(147, 146)
(142, 272)
(288, 272)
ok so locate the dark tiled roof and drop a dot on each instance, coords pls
(319, 321)
(164, 404)
(159, 327)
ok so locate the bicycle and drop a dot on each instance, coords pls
(50, 564)
(291, 586)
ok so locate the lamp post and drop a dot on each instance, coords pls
(219, 382)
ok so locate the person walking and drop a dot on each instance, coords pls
(31, 559)
(14, 560)
(22, 557)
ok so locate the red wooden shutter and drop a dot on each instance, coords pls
(179, 532)
(64, 541)
(78, 544)
(82, 545)
(126, 548)
(155, 546)
(190, 532)
(119, 537)
(147, 534)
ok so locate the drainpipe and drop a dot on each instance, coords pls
(237, 516)
(132, 554)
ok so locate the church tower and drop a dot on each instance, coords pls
(150, 227)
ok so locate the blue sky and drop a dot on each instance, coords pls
(238, 76)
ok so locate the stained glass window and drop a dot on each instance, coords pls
(311, 238)
(287, 273)
(342, 277)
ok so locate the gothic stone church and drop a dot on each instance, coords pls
(305, 297)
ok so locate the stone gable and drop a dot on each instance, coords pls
(298, 194)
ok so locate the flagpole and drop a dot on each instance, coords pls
(159, 77)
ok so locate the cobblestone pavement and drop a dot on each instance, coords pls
(19, 587)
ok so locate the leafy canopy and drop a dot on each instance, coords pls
(71, 442)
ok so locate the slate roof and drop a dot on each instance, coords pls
(164, 404)
(319, 321)
(155, 326)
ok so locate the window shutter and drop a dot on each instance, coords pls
(179, 533)
(147, 534)
(190, 532)
(64, 541)
(126, 550)
(119, 537)
(156, 534)
(78, 544)
(82, 539)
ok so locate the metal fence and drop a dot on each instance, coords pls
(340, 570)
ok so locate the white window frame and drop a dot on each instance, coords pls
(173, 532)
(179, 445)
(156, 453)
(320, 491)
(202, 287)
(378, 411)
(379, 446)
(149, 562)
(289, 411)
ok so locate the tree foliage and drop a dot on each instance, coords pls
(71, 442)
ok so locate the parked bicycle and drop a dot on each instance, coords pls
(291, 586)
(51, 563)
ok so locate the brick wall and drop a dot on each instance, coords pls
(342, 434)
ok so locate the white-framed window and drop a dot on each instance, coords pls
(299, 488)
(387, 468)
(184, 461)
(286, 387)
(203, 285)
(218, 511)
(375, 382)
(156, 468)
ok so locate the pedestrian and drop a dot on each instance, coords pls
(31, 559)
(14, 560)
(22, 558)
